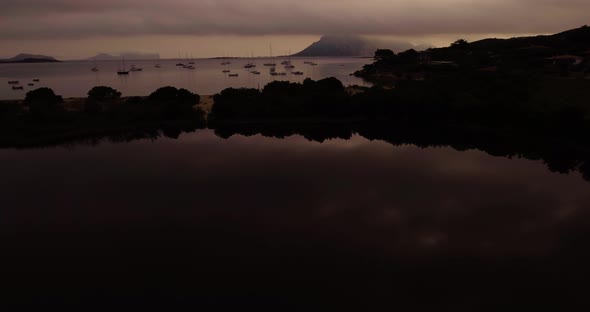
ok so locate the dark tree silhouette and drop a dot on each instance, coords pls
(460, 44)
(103, 93)
(173, 102)
(99, 97)
(384, 55)
(43, 102)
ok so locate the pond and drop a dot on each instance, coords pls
(269, 222)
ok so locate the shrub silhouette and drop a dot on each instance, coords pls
(43, 102)
(99, 97)
(103, 93)
(9, 110)
(236, 103)
(173, 102)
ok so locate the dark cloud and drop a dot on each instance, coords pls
(35, 19)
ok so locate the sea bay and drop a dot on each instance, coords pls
(75, 78)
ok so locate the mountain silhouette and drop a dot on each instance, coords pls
(29, 58)
(128, 56)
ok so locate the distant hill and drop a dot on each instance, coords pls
(574, 41)
(339, 46)
(570, 41)
(29, 58)
(127, 56)
(348, 45)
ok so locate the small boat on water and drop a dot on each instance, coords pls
(12, 81)
(233, 75)
(17, 87)
(270, 63)
(255, 72)
(225, 71)
(225, 63)
(157, 65)
(282, 74)
(288, 64)
(135, 68)
(30, 84)
(122, 70)
(36, 80)
(94, 67)
(307, 62)
(297, 73)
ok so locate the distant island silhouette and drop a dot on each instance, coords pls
(29, 58)
(349, 45)
(127, 56)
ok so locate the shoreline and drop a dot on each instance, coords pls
(76, 104)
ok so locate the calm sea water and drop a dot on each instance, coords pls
(74, 79)
(288, 222)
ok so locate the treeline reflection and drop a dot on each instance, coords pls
(560, 154)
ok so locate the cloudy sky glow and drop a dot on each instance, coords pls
(79, 28)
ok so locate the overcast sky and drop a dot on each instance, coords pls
(79, 28)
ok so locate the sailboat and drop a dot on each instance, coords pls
(225, 62)
(191, 62)
(225, 70)
(271, 63)
(123, 71)
(94, 68)
(250, 63)
(179, 64)
(287, 63)
(273, 71)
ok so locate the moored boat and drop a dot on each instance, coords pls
(122, 70)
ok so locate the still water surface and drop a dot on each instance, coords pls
(74, 79)
(285, 222)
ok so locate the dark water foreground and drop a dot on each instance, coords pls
(290, 224)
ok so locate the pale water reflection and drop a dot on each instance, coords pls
(287, 222)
